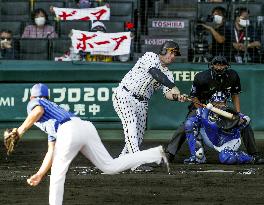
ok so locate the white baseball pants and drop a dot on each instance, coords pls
(78, 135)
(133, 115)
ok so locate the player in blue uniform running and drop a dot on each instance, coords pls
(218, 133)
(67, 135)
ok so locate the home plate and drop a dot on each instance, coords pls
(215, 171)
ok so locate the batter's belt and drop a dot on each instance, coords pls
(138, 97)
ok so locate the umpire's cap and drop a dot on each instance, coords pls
(40, 90)
(170, 46)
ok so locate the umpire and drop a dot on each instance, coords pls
(217, 84)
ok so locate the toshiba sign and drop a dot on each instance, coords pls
(168, 24)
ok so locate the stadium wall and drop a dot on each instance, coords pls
(86, 88)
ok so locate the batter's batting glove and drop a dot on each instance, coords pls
(11, 137)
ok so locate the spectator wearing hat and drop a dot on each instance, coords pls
(98, 26)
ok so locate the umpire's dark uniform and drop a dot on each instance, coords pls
(209, 88)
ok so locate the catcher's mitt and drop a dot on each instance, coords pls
(11, 138)
(228, 124)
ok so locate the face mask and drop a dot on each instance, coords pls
(218, 19)
(40, 21)
(244, 23)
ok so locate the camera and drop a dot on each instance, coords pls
(201, 45)
(204, 19)
(199, 29)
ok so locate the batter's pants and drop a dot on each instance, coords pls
(78, 135)
(133, 114)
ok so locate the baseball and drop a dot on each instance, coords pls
(209, 106)
(29, 182)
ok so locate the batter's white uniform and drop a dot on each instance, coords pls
(73, 135)
(131, 99)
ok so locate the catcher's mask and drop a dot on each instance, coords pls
(40, 90)
(170, 46)
(218, 66)
(227, 124)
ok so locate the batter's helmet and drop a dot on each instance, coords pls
(40, 90)
(170, 46)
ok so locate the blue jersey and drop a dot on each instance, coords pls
(52, 118)
(212, 133)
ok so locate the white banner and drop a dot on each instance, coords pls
(98, 13)
(111, 44)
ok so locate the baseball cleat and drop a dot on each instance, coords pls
(164, 159)
(143, 168)
(258, 159)
(195, 160)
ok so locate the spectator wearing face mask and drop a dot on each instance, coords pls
(220, 32)
(7, 50)
(245, 39)
(40, 28)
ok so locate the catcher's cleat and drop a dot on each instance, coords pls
(164, 159)
(195, 160)
(258, 159)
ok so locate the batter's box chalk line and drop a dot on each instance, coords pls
(244, 171)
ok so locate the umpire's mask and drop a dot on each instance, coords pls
(218, 66)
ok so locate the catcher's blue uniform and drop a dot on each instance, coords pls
(225, 142)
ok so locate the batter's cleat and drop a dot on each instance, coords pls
(164, 159)
(143, 168)
(195, 160)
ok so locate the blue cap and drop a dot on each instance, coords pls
(39, 90)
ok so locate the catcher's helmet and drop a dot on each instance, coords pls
(228, 124)
(221, 60)
(170, 46)
(40, 90)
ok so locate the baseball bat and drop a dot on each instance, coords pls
(214, 109)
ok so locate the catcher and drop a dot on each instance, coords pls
(218, 133)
